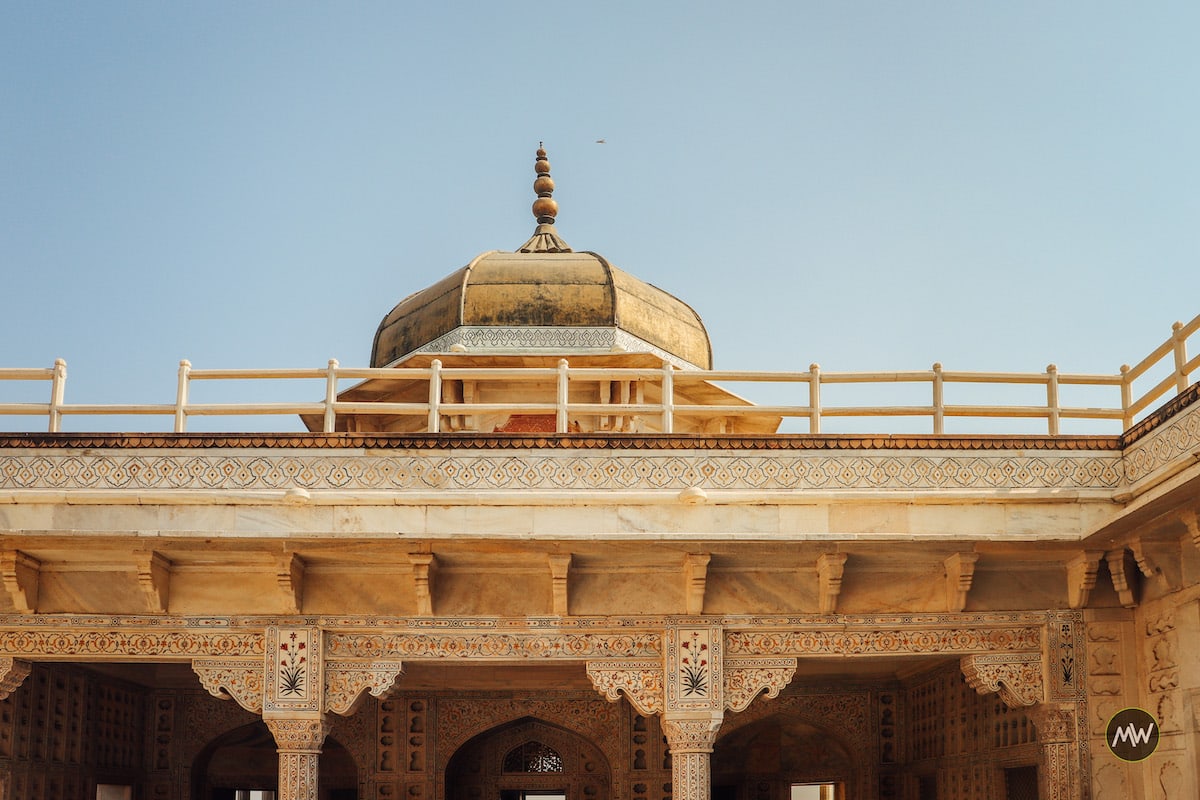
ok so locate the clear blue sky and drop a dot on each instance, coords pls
(873, 186)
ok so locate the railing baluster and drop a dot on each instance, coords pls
(331, 382)
(668, 399)
(435, 395)
(1126, 398)
(1052, 398)
(1180, 347)
(814, 398)
(939, 402)
(181, 396)
(58, 389)
(561, 394)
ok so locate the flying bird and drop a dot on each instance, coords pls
(599, 141)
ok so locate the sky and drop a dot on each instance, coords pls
(867, 185)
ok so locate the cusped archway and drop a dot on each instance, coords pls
(528, 758)
(764, 759)
(248, 758)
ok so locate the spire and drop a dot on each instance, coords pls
(545, 237)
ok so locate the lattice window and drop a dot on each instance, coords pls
(533, 757)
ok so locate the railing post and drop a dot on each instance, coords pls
(1126, 398)
(1181, 379)
(814, 398)
(668, 399)
(1053, 415)
(58, 389)
(560, 413)
(330, 395)
(435, 395)
(939, 403)
(181, 396)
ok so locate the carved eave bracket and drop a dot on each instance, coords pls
(960, 572)
(641, 681)
(238, 678)
(1122, 578)
(1081, 577)
(289, 575)
(1016, 676)
(747, 678)
(12, 673)
(695, 581)
(154, 579)
(348, 682)
(1191, 521)
(21, 575)
(1145, 563)
(423, 566)
(560, 567)
(830, 567)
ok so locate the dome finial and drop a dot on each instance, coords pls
(545, 209)
(545, 238)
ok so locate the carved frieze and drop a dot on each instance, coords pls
(451, 469)
(494, 645)
(1017, 677)
(936, 637)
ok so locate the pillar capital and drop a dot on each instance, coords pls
(305, 735)
(691, 733)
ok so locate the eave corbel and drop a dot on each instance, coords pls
(12, 673)
(21, 575)
(289, 575)
(560, 567)
(641, 681)
(154, 579)
(1017, 677)
(1081, 577)
(1121, 577)
(347, 683)
(830, 567)
(1145, 563)
(238, 678)
(1191, 521)
(960, 572)
(747, 678)
(423, 565)
(695, 581)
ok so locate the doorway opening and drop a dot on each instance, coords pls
(814, 791)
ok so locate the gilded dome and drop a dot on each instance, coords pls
(543, 298)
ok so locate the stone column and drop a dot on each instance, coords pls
(690, 739)
(299, 742)
(1059, 777)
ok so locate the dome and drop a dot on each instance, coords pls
(543, 298)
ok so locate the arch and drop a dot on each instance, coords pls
(247, 757)
(493, 764)
(760, 758)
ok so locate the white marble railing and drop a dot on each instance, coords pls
(631, 402)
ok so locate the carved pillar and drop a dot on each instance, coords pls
(299, 742)
(1018, 678)
(690, 739)
(1059, 777)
